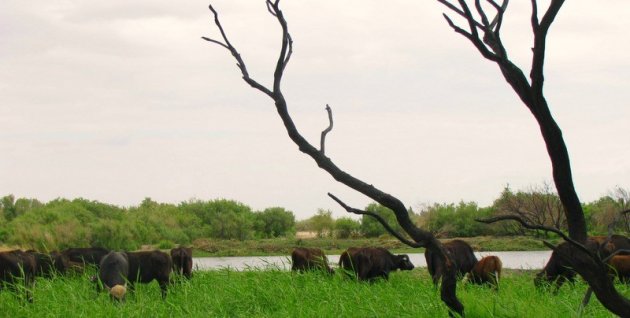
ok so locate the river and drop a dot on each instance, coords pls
(514, 260)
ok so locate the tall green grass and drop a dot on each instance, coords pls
(275, 293)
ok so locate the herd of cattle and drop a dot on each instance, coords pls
(118, 271)
(369, 263)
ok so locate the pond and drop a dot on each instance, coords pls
(513, 260)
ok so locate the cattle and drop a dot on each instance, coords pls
(146, 266)
(486, 271)
(182, 261)
(345, 259)
(113, 273)
(85, 255)
(304, 259)
(616, 242)
(558, 270)
(620, 267)
(15, 267)
(47, 265)
(369, 263)
(459, 252)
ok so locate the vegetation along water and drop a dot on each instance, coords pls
(275, 293)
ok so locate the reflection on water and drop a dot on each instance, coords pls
(514, 260)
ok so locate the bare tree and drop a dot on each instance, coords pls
(489, 44)
(537, 205)
(420, 237)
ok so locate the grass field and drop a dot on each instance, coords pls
(275, 293)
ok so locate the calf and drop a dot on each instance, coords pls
(182, 261)
(113, 273)
(369, 263)
(145, 266)
(17, 266)
(460, 253)
(303, 259)
(486, 271)
(85, 255)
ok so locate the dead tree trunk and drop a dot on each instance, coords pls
(421, 238)
(587, 265)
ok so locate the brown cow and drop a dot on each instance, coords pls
(486, 271)
(145, 266)
(303, 259)
(369, 263)
(182, 261)
(620, 267)
(17, 266)
(460, 252)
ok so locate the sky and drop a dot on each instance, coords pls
(117, 101)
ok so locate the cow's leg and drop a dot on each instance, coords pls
(163, 287)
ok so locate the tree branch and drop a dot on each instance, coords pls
(239, 61)
(420, 236)
(535, 227)
(326, 131)
(378, 218)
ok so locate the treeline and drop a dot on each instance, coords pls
(537, 205)
(63, 223)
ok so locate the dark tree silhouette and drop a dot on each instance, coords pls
(420, 237)
(586, 262)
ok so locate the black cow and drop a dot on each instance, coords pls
(113, 272)
(303, 259)
(145, 266)
(182, 261)
(558, 270)
(47, 265)
(370, 263)
(86, 255)
(345, 259)
(17, 266)
(460, 253)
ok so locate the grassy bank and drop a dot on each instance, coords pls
(284, 246)
(255, 293)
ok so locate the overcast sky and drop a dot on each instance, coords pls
(118, 100)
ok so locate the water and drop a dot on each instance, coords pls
(514, 260)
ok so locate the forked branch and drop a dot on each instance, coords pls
(379, 218)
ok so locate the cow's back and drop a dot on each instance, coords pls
(86, 255)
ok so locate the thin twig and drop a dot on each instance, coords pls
(326, 131)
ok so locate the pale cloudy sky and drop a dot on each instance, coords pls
(120, 100)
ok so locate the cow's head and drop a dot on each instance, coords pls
(403, 262)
